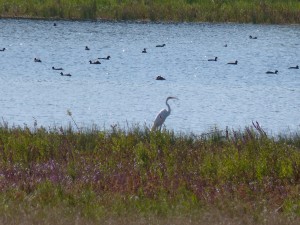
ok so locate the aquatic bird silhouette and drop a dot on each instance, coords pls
(251, 37)
(144, 50)
(87, 48)
(37, 60)
(271, 72)
(95, 62)
(65, 74)
(233, 63)
(160, 46)
(215, 59)
(2, 50)
(294, 67)
(160, 78)
(106, 58)
(57, 68)
(162, 116)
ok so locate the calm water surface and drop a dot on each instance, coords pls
(123, 89)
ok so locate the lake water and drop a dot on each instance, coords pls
(123, 90)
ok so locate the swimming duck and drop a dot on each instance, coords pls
(271, 72)
(3, 49)
(65, 74)
(160, 46)
(107, 58)
(37, 60)
(95, 62)
(144, 50)
(294, 67)
(87, 48)
(160, 78)
(215, 59)
(57, 68)
(233, 63)
(251, 37)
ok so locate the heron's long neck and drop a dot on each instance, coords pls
(169, 108)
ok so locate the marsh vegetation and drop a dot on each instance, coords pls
(243, 11)
(87, 175)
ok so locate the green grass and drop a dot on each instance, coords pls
(88, 175)
(243, 11)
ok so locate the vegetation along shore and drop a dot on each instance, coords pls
(92, 176)
(242, 11)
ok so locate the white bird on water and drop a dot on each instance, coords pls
(162, 116)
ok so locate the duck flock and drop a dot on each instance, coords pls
(206, 61)
(96, 61)
(38, 60)
(236, 61)
(144, 51)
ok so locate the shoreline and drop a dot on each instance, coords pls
(171, 11)
(101, 20)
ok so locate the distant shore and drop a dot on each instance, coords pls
(242, 11)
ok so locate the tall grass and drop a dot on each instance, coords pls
(103, 175)
(244, 11)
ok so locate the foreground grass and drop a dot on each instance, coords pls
(243, 11)
(66, 176)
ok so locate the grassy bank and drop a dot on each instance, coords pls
(244, 11)
(63, 176)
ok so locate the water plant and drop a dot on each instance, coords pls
(135, 175)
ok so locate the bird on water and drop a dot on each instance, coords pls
(162, 116)
(106, 58)
(57, 68)
(160, 78)
(215, 59)
(251, 37)
(65, 74)
(271, 72)
(233, 63)
(294, 67)
(95, 62)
